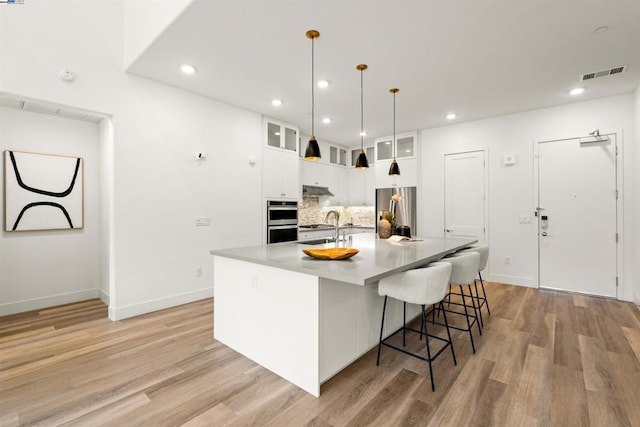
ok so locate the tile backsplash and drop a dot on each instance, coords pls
(313, 210)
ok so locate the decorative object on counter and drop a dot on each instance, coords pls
(313, 149)
(331, 253)
(362, 162)
(384, 226)
(402, 230)
(394, 169)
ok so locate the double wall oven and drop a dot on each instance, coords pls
(282, 221)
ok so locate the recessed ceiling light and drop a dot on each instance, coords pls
(326, 120)
(276, 102)
(323, 84)
(451, 116)
(577, 91)
(276, 133)
(188, 69)
(601, 30)
(363, 133)
(387, 143)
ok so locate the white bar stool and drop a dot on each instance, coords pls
(419, 286)
(464, 267)
(483, 250)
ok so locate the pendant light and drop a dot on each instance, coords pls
(313, 149)
(362, 162)
(394, 169)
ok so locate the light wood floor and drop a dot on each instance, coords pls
(545, 358)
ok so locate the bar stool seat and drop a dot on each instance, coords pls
(419, 286)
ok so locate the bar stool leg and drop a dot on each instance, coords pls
(466, 315)
(475, 284)
(475, 310)
(404, 324)
(453, 353)
(426, 338)
(384, 308)
(484, 294)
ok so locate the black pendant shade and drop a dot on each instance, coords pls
(313, 149)
(394, 169)
(362, 162)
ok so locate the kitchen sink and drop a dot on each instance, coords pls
(322, 241)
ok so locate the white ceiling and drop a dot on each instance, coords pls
(476, 58)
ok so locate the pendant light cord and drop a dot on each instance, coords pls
(393, 146)
(361, 113)
(313, 103)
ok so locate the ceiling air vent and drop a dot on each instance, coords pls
(603, 73)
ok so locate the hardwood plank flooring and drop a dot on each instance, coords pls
(545, 358)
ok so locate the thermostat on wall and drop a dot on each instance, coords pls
(508, 159)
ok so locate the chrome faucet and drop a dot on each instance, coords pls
(337, 216)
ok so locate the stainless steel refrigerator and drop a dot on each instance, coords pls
(405, 209)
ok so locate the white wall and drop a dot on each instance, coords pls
(636, 211)
(144, 21)
(45, 268)
(510, 189)
(158, 187)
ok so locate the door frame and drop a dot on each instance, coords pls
(619, 139)
(484, 150)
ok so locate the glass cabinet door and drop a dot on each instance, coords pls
(384, 149)
(290, 139)
(405, 147)
(273, 135)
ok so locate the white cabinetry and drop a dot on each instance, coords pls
(280, 165)
(362, 186)
(406, 145)
(326, 175)
(315, 173)
(315, 234)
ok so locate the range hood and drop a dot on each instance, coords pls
(315, 191)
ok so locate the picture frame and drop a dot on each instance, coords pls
(43, 191)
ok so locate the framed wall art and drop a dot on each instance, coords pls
(43, 191)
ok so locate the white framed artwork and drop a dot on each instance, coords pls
(43, 191)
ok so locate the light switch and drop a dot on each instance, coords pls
(203, 221)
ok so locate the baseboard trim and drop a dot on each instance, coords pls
(104, 297)
(119, 313)
(528, 282)
(48, 301)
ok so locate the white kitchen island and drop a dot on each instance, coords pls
(307, 319)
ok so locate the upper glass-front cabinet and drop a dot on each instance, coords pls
(370, 151)
(281, 135)
(405, 147)
(337, 156)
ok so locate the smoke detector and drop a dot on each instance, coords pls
(604, 73)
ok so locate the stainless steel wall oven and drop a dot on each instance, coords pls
(282, 221)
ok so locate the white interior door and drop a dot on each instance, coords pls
(465, 195)
(577, 200)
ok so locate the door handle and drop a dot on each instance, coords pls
(544, 233)
(447, 230)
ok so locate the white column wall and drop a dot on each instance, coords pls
(636, 207)
(159, 189)
(510, 188)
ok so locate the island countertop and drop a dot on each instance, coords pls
(377, 258)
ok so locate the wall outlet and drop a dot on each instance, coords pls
(199, 272)
(507, 260)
